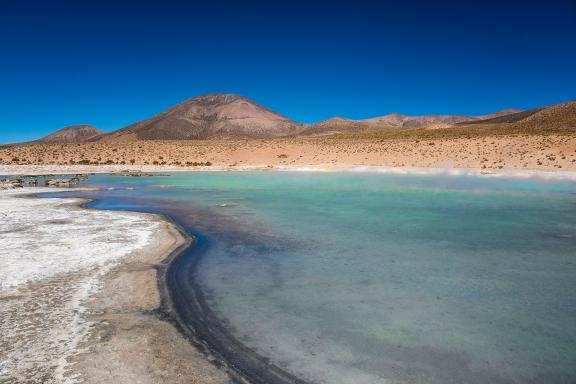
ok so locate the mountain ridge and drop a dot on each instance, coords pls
(225, 116)
(397, 121)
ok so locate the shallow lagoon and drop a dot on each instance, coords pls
(372, 278)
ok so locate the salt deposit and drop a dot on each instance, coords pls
(53, 256)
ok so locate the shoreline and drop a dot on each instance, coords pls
(198, 323)
(521, 173)
(124, 334)
(181, 308)
(194, 319)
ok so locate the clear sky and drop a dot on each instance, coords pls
(111, 63)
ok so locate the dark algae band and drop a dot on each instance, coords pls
(188, 307)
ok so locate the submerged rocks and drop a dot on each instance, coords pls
(11, 183)
(228, 205)
(48, 180)
(62, 182)
(31, 182)
(132, 173)
(81, 176)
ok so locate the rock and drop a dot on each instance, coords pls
(228, 205)
(137, 173)
(11, 183)
(61, 182)
(6, 185)
(81, 176)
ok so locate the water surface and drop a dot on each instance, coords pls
(371, 278)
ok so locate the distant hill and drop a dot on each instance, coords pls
(73, 134)
(553, 119)
(503, 113)
(332, 126)
(208, 117)
(395, 121)
(558, 117)
(223, 116)
(497, 118)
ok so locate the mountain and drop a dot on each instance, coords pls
(73, 134)
(557, 117)
(553, 119)
(513, 117)
(505, 112)
(391, 119)
(207, 117)
(396, 121)
(426, 120)
(333, 125)
(222, 116)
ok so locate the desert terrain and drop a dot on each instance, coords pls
(231, 131)
(544, 152)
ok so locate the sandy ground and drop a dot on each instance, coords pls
(550, 152)
(79, 299)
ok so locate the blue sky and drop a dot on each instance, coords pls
(111, 63)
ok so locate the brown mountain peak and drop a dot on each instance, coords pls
(210, 116)
(73, 134)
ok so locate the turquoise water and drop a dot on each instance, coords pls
(372, 278)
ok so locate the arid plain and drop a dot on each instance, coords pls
(545, 152)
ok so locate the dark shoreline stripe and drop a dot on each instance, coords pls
(183, 303)
(198, 321)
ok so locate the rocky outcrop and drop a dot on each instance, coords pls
(11, 183)
(62, 182)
